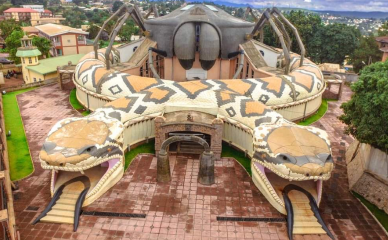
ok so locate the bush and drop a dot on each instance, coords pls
(366, 114)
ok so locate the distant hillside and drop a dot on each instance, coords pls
(229, 4)
(377, 15)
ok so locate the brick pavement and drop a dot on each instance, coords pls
(182, 209)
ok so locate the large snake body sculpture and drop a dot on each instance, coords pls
(282, 149)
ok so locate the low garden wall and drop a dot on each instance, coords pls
(368, 173)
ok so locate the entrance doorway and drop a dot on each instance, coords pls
(188, 146)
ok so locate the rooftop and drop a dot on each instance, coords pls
(50, 65)
(382, 39)
(23, 10)
(52, 29)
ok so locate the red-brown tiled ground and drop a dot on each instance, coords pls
(182, 209)
(12, 82)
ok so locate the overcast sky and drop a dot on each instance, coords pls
(337, 5)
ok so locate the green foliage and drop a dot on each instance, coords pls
(332, 43)
(4, 6)
(75, 17)
(116, 5)
(320, 113)
(383, 30)
(381, 216)
(228, 151)
(93, 31)
(128, 30)
(13, 42)
(8, 26)
(368, 50)
(144, 148)
(366, 113)
(76, 104)
(18, 152)
(43, 44)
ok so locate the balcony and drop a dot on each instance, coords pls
(57, 44)
(81, 42)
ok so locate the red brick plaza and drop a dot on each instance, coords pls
(182, 209)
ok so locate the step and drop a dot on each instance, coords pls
(64, 207)
(301, 218)
(64, 213)
(300, 224)
(69, 196)
(67, 201)
(303, 212)
(56, 219)
(311, 230)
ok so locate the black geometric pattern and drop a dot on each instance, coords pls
(196, 93)
(115, 89)
(139, 110)
(276, 93)
(264, 98)
(231, 111)
(165, 98)
(222, 102)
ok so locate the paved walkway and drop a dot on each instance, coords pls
(182, 209)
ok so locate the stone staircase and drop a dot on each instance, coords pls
(304, 220)
(63, 210)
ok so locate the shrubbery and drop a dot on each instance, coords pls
(366, 114)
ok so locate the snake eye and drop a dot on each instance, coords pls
(89, 149)
(285, 158)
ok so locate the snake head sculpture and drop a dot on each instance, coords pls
(85, 146)
(290, 153)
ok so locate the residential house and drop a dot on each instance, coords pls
(65, 40)
(383, 46)
(32, 16)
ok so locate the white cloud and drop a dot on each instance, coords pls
(308, 1)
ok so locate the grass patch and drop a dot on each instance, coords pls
(381, 216)
(144, 148)
(321, 111)
(76, 104)
(229, 151)
(20, 163)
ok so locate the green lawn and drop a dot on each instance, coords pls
(75, 104)
(144, 148)
(381, 216)
(20, 162)
(228, 151)
(321, 111)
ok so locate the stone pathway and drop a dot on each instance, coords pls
(182, 209)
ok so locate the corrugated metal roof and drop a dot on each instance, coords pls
(49, 65)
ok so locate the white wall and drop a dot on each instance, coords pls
(270, 57)
(126, 50)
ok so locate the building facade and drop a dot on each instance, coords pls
(65, 40)
(22, 14)
(383, 46)
(32, 16)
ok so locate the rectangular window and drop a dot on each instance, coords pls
(30, 60)
(34, 79)
(24, 62)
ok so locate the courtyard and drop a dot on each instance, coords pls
(139, 207)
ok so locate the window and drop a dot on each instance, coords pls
(24, 62)
(40, 79)
(36, 59)
(262, 53)
(134, 49)
(34, 79)
(30, 60)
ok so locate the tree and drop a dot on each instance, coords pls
(368, 50)
(383, 30)
(116, 6)
(13, 42)
(93, 31)
(332, 43)
(43, 44)
(366, 113)
(8, 26)
(126, 32)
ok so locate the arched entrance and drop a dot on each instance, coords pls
(206, 165)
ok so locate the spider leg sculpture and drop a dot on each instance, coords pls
(275, 18)
(126, 11)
